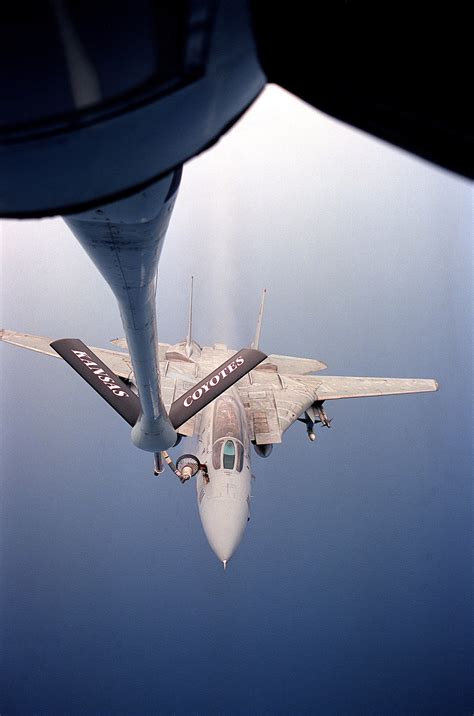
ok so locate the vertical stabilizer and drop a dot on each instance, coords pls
(189, 337)
(256, 340)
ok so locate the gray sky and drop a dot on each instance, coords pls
(352, 588)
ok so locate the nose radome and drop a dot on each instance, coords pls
(224, 521)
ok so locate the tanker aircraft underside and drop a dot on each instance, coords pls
(228, 401)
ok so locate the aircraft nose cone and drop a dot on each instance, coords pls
(224, 521)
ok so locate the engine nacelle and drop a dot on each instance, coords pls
(263, 450)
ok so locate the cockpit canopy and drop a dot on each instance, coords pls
(227, 419)
(227, 430)
(228, 454)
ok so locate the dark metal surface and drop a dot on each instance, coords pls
(99, 376)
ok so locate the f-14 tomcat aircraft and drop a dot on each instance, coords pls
(267, 394)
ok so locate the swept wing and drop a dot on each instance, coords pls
(174, 383)
(117, 361)
(176, 377)
(272, 397)
(335, 387)
(272, 406)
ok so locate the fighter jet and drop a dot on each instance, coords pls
(230, 402)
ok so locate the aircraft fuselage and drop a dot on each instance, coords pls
(224, 493)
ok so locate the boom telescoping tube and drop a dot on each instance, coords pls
(124, 240)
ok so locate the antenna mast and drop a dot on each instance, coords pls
(256, 340)
(189, 340)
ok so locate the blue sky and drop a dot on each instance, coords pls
(352, 588)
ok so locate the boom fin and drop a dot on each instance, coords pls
(210, 387)
(120, 397)
(256, 340)
(99, 376)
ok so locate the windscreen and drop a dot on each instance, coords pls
(227, 453)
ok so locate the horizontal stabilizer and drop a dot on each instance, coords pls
(120, 342)
(208, 389)
(100, 377)
(291, 365)
(162, 347)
